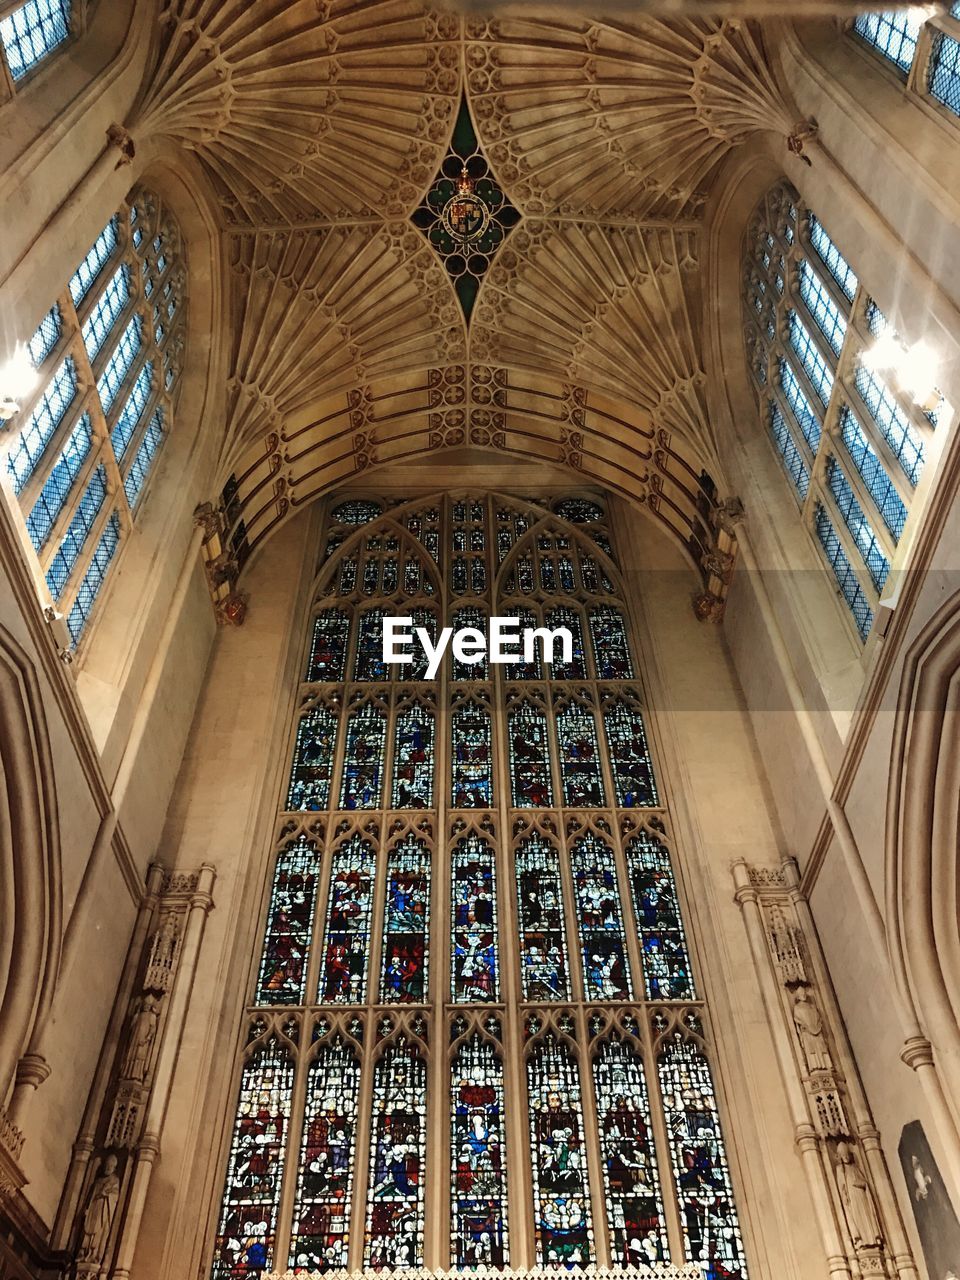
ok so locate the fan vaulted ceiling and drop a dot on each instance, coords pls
(321, 124)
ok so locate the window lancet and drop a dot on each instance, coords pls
(108, 356)
(851, 441)
(474, 930)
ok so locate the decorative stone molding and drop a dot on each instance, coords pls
(837, 1139)
(11, 1145)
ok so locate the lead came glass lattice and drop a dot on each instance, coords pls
(363, 759)
(248, 1219)
(600, 920)
(710, 1227)
(395, 1199)
(663, 947)
(629, 756)
(321, 1215)
(346, 940)
(472, 780)
(529, 757)
(312, 760)
(611, 653)
(289, 924)
(543, 948)
(474, 968)
(579, 758)
(479, 1226)
(631, 1180)
(413, 759)
(561, 1197)
(406, 924)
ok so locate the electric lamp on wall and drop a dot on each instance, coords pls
(18, 378)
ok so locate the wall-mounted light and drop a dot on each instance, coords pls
(913, 369)
(18, 378)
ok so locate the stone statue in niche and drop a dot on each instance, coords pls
(809, 1025)
(163, 953)
(143, 1033)
(857, 1199)
(98, 1215)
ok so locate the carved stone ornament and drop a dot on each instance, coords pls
(11, 1144)
(164, 946)
(857, 1199)
(143, 1033)
(809, 1026)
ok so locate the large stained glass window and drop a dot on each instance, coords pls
(395, 1196)
(406, 924)
(473, 929)
(479, 1218)
(248, 1219)
(325, 1174)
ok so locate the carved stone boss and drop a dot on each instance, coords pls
(106, 1188)
(836, 1137)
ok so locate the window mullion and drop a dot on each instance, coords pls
(59, 528)
(917, 75)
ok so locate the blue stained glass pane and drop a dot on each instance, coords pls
(611, 653)
(77, 532)
(877, 564)
(289, 924)
(810, 357)
(943, 72)
(530, 779)
(629, 756)
(42, 423)
(362, 781)
(477, 620)
(606, 975)
(831, 257)
(406, 924)
(312, 765)
(126, 423)
(663, 945)
(142, 462)
(881, 487)
(577, 668)
(807, 419)
(579, 758)
(106, 312)
(701, 1173)
(902, 437)
(251, 1197)
(413, 759)
(369, 664)
(521, 670)
(474, 972)
(32, 32)
(822, 307)
(790, 455)
(120, 363)
(561, 1195)
(321, 1215)
(58, 484)
(94, 577)
(328, 648)
(631, 1179)
(479, 1226)
(47, 336)
(543, 948)
(346, 937)
(395, 1203)
(471, 767)
(850, 588)
(97, 257)
(893, 33)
